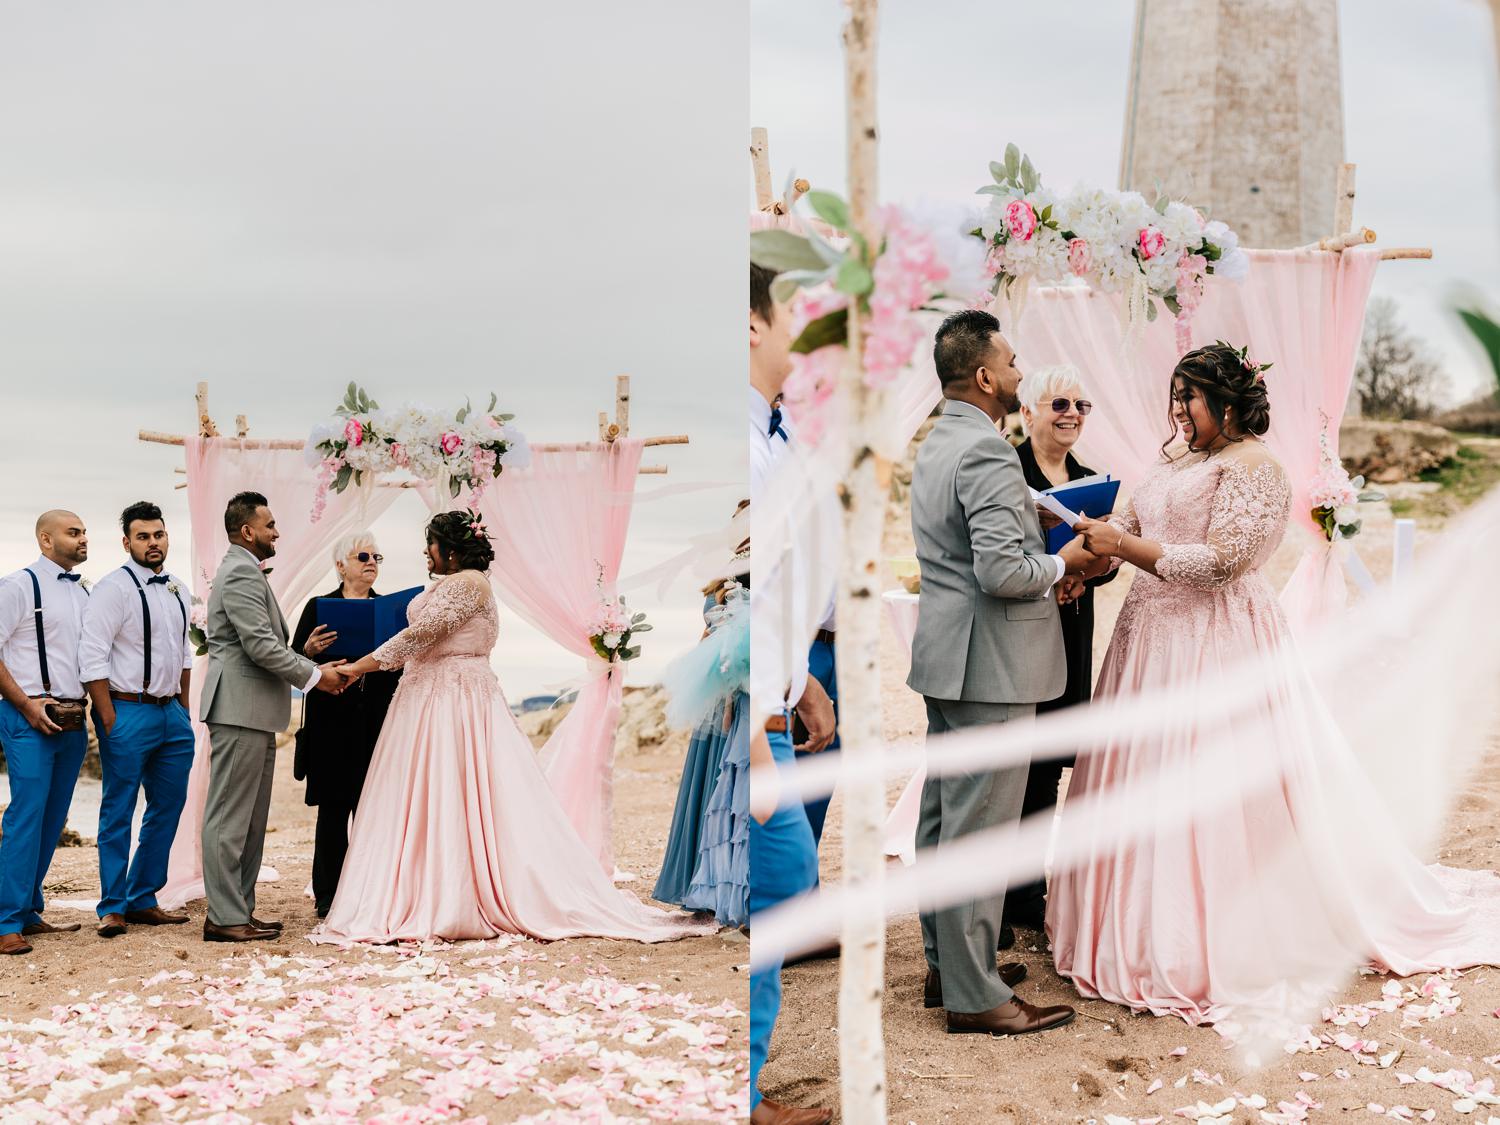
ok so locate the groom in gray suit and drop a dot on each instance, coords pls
(246, 699)
(987, 649)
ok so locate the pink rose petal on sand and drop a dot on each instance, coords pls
(1177, 1052)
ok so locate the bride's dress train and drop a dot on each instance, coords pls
(458, 834)
(1220, 909)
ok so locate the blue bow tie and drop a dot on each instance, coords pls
(67, 577)
(158, 580)
(774, 426)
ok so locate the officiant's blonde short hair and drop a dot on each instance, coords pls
(351, 543)
(1047, 383)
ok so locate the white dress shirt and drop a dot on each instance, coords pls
(63, 605)
(113, 646)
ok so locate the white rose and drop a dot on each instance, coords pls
(1346, 515)
(611, 640)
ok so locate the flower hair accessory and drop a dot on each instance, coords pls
(1257, 370)
(473, 526)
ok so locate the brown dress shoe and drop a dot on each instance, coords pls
(773, 1113)
(112, 925)
(1015, 1017)
(49, 928)
(259, 925)
(14, 943)
(212, 932)
(154, 916)
(1011, 972)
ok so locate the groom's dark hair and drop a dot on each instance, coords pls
(240, 511)
(760, 292)
(963, 345)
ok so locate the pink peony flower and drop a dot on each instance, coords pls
(398, 454)
(1020, 219)
(354, 432)
(1152, 243)
(451, 443)
(1080, 257)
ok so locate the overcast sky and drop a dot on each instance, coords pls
(436, 200)
(958, 80)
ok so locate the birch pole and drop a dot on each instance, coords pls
(862, 496)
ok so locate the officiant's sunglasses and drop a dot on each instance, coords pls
(365, 556)
(1060, 405)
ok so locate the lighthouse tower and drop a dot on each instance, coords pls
(1236, 105)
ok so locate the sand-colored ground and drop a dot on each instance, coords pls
(167, 1027)
(1106, 1061)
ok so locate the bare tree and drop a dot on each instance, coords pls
(1395, 377)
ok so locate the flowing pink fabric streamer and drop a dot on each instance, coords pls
(556, 526)
(217, 468)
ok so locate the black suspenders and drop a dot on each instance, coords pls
(41, 635)
(41, 640)
(146, 624)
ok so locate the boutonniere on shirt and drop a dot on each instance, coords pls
(86, 584)
(173, 589)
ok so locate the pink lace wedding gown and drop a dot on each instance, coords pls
(1217, 911)
(458, 834)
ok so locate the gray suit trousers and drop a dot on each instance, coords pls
(241, 767)
(960, 941)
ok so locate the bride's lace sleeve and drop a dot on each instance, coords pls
(1249, 511)
(447, 608)
(1126, 521)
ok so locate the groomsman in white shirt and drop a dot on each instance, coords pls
(136, 662)
(41, 719)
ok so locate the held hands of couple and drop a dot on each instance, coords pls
(1101, 538)
(336, 676)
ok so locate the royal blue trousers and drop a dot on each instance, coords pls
(822, 667)
(783, 864)
(151, 748)
(43, 769)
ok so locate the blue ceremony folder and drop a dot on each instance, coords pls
(363, 624)
(1093, 497)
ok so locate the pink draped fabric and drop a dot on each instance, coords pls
(559, 532)
(1301, 310)
(217, 468)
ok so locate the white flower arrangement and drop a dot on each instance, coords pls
(467, 449)
(1115, 241)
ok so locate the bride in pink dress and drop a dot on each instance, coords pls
(1256, 905)
(458, 834)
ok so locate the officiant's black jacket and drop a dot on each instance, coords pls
(339, 731)
(1078, 617)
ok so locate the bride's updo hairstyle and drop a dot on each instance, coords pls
(462, 538)
(1225, 378)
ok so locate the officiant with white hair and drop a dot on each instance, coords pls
(1054, 411)
(338, 732)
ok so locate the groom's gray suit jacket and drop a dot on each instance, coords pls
(250, 668)
(986, 632)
